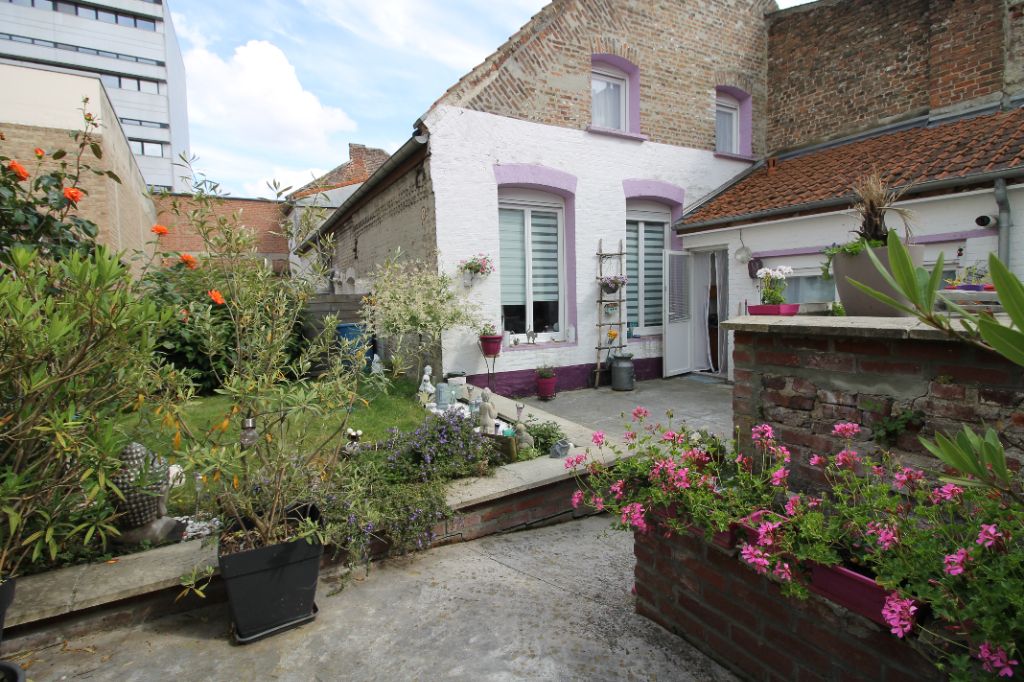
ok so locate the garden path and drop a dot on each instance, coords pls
(701, 401)
(547, 604)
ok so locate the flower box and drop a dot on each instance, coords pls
(786, 309)
(846, 587)
(746, 528)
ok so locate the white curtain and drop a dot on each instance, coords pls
(701, 263)
(722, 277)
(606, 100)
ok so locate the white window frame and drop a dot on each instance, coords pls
(732, 106)
(527, 201)
(610, 75)
(643, 215)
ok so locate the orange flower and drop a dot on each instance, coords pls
(215, 296)
(189, 261)
(184, 314)
(158, 229)
(73, 194)
(39, 153)
(18, 170)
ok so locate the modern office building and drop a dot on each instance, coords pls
(131, 46)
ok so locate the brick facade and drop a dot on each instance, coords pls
(837, 67)
(742, 620)
(683, 50)
(803, 384)
(263, 216)
(399, 215)
(362, 162)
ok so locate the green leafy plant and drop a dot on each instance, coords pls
(771, 282)
(545, 434)
(488, 329)
(886, 431)
(545, 372)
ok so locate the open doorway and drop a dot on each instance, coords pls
(718, 311)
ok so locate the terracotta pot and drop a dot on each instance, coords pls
(786, 309)
(857, 592)
(861, 269)
(491, 345)
(546, 387)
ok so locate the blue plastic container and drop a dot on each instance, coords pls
(351, 332)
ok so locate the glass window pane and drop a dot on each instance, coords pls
(87, 12)
(813, 289)
(654, 250)
(129, 83)
(512, 264)
(44, 4)
(544, 261)
(148, 86)
(152, 149)
(633, 273)
(725, 127)
(110, 81)
(21, 39)
(145, 24)
(106, 17)
(125, 20)
(86, 50)
(606, 102)
(108, 55)
(66, 7)
(23, 3)
(135, 146)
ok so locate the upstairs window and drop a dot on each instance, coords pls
(609, 92)
(727, 124)
(531, 265)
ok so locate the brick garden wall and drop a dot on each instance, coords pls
(802, 384)
(743, 621)
(838, 67)
(683, 50)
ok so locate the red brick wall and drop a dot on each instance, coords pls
(743, 621)
(802, 385)
(683, 50)
(264, 216)
(838, 67)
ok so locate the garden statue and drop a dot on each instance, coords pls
(426, 389)
(376, 366)
(531, 336)
(144, 482)
(352, 446)
(488, 412)
(523, 438)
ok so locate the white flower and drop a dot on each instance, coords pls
(785, 270)
(764, 272)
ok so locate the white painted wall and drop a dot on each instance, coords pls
(465, 145)
(932, 215)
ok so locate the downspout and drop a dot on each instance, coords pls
(1005, 220)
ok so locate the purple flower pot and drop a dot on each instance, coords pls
(971, 287)
(785, 309)
(857, 592)
(490, 345)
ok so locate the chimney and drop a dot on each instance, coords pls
(364, 161)
(770, 165)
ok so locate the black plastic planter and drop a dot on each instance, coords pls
(6, 599)
(271, 589)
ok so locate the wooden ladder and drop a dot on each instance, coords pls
(604, 345)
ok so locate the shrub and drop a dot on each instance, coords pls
(446, 446)
(545, 434)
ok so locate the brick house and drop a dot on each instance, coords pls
(639, 122)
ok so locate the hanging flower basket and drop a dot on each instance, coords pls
(612, 283)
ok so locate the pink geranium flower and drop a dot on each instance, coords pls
(779, 477)
(886, 535)
(846, 430)
(630, 436)
(762, 433)
(995, 660)
(899, 614)
(989, 535)
(577, 498)
(947, 493)
(598, 503)
(956, 562)
(783, 572)
(573, 461)
(766, 533)
(640, 413)
(756, 558)
(847, 459)
(598, 438)
(633, 515)
(617, 489)
(908, 478)
(793, 505)
(817, 461)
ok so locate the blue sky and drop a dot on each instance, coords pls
(277, 89)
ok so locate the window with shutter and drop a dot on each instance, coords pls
(531, 267)
(645, 249)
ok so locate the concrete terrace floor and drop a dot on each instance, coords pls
(700, 401)
(547, 604)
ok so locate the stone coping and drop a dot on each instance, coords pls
(76, 588)
(863, 327)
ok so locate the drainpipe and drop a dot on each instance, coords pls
(1005, 221)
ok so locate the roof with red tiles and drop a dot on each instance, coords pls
(958, 149)
(363, 162)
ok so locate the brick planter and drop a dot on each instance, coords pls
(743, 621)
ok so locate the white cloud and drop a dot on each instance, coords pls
(438, 30)
(287, 178)
(255, 100)
(187, 32)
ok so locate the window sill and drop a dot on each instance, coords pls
(539, 346)
(735, 157)
(612, 132)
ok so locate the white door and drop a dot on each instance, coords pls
(677, 335)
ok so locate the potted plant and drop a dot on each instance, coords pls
(771, 282)
(612, 283)
(546, 381)
(873, 201)
(277, 491)
(490, 340)
(479, 265)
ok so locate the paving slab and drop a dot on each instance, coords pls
(553, 603)
(700, 401)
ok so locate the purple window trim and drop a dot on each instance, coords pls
(940, 238)
(746, 145)
(632, 72)
(663, 192)
(612, 132)
(545, 179)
